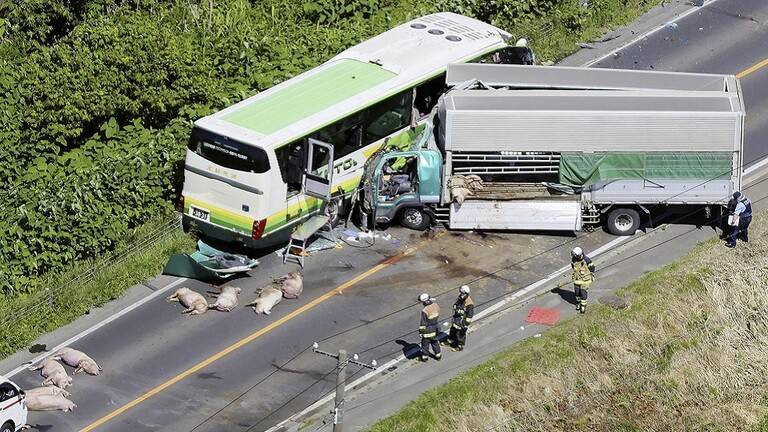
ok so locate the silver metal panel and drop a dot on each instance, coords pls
(542, 215)
(563, 100)
(591, 131)
(664, 191)
(582, 78)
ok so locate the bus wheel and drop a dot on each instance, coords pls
(623, 221)
(334, 210)
(7, 427)
(414, 218)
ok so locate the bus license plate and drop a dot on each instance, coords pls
(200, 214)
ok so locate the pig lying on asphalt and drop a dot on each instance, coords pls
(54, 373)
(78, 360)
(194, 303)
(268, 298)
(292, 285)
(226, 300)
(50, 391)
(48, 402)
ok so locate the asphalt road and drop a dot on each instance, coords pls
(252, 387)
(726, 37)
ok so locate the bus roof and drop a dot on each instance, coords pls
(339, 81)
(368, 72)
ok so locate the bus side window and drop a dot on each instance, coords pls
(344, 135)
(427, 94)
(291, 160)
(387, 117)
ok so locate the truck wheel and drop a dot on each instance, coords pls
(414, 218)
(623, 221)
(7, 427)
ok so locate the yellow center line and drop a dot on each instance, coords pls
(752, 69)
(248, 339)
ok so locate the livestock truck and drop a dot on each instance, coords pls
(564, 149)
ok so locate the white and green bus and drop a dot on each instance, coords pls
(259, 167)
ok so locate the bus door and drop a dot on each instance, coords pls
(319, 171)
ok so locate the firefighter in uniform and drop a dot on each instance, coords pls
(583, 276)
(428, 327)
(463, 311)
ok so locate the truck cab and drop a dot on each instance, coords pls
(13, 409)
(402, 186)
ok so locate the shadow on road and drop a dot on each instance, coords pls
(565, 294)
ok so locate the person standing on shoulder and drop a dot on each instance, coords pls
(463, 311)
(428, 327)
(743, 215)
(583, 276)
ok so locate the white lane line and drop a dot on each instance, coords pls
(485, 312)
(755, 166)
(96, 326)
(648, 33)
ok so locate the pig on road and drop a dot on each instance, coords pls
(292, 285)
(48, 402)
(78, 360)
(50, 391)
(226, 300)
(54, 373)
(194, 303)
(268, 298)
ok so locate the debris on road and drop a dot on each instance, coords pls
(226, 299)
(208, 264)
(268, 298)
(540, 315)
(194, 302)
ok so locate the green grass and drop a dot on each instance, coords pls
(689, 354)
(45, 313)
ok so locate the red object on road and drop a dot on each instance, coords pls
(542, 315)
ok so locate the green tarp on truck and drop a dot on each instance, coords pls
(585, 169)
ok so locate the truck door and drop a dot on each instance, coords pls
(319, 171)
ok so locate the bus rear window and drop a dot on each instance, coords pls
(228, 153)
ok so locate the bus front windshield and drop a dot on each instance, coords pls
(228, 153)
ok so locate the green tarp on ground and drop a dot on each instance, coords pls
(583, 169)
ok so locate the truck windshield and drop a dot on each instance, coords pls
(228, 153)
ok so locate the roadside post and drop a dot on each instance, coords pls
(342, 360)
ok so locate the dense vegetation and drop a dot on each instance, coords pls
(97, 97)
(689, 354)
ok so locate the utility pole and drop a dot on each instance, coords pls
(342, 360)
